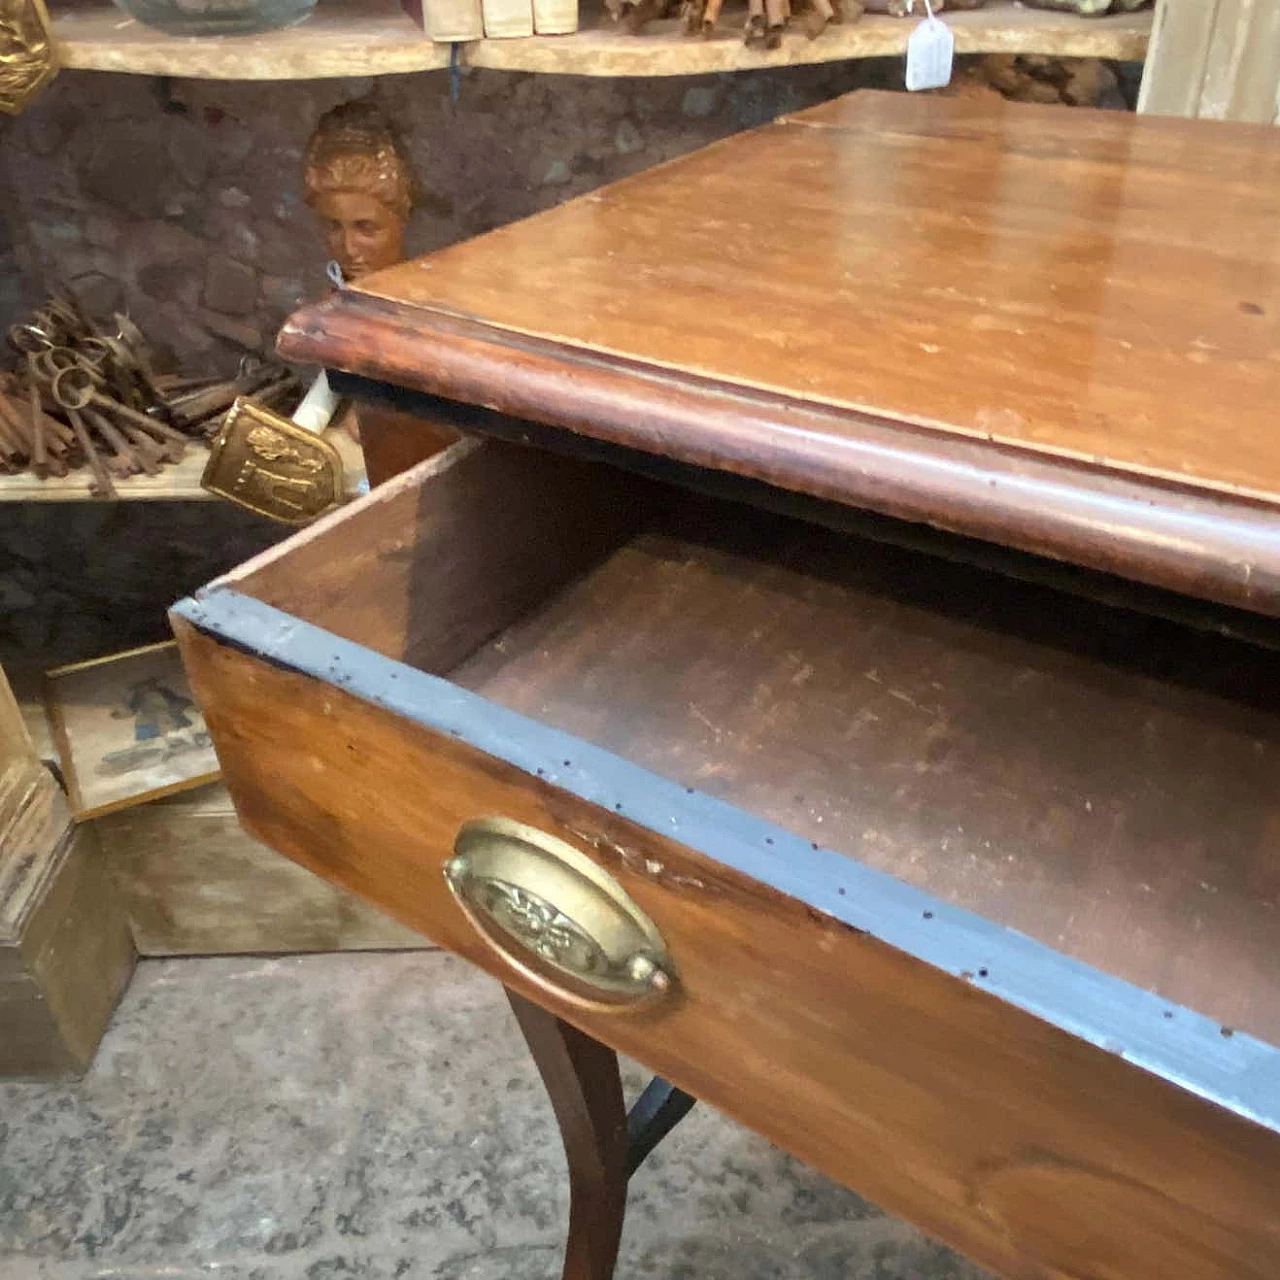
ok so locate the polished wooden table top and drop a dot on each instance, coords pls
(845, 301)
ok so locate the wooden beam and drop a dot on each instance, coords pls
(1214, 59)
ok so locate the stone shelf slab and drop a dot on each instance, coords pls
(375, 37)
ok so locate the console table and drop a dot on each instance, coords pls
(836, 667)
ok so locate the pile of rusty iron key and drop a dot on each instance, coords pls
(84, 394)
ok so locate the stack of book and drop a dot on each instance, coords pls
(450, 21)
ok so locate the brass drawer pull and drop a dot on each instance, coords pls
(556, 916)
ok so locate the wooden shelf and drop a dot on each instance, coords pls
(375, 37)
(601, 49)
(341, 38)
(180, 482)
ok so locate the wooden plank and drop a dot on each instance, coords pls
(1242, 77)
(430, 565)
(1194, 544)
(969, 1100)
(78, 946)
(22, 778)
(342, 38)
(1173, 76)
(958, 280)
(15, 742)
(375, 37)
(34, 821)
(65, 953)
(1219, 61)
(192, 882)
(393, 442)
(31, 1047)
(954, 246)
(602, 48)
(179, 482)
(69, 959)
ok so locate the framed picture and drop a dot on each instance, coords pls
(127, 730)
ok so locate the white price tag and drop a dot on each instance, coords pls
(930, 52)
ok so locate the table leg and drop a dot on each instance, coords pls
(656, 1112)
(581, 1076)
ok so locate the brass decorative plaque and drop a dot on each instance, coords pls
(27, 61)
(273, 466)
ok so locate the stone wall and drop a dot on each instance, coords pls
(79, 580)
(179, 200)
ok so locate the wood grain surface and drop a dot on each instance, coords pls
(1107, 783)
(190, 882)
(435, 562)
(603, 47)
(376, 37)
(1218, 61)
(67, 958)
(832, 299)
(584, 1085)
(1037, 1153)
(932, 490)
(1084, 283)
(341, 38)
(28, 795)
(65, 951)
(393, 442)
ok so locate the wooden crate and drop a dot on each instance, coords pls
(190, 881)
(193, 883)
(65, 950)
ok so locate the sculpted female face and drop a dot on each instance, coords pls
(361, 233)
(358, 180)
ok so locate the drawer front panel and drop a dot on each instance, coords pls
(1031, 1149)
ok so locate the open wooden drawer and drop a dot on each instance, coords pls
(963, 890)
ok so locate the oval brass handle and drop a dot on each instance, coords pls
(557, 916)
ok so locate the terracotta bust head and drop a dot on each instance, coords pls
(359, 181)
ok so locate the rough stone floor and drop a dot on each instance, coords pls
(375, 1116)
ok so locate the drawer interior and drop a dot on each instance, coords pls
(1104, 781)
